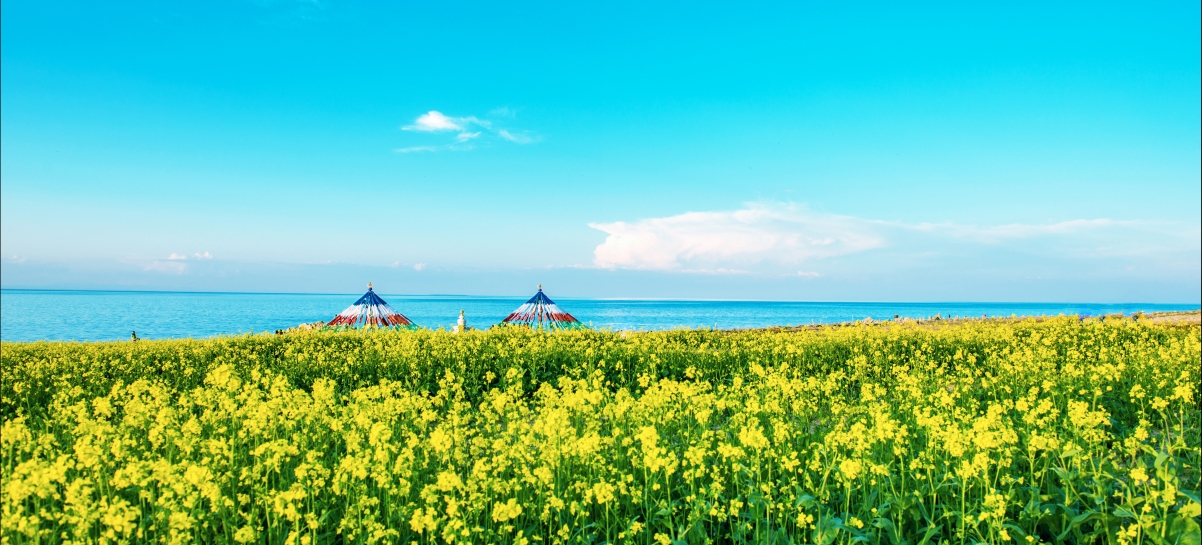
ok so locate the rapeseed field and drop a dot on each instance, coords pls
(1023, 431)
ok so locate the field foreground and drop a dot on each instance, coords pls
(1017, 431)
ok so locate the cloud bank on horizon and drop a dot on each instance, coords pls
(770, 238)
(773, 240)
(762, 250)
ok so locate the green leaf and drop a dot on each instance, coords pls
(890, 530)
(1157, 538)
(931, 532)
(1022, 534)
(805, 500)
(1183, 531)
(1070, 452)
(1078, 520)
(1123, 512)
(826, 529)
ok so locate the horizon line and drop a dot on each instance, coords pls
(1199, 304)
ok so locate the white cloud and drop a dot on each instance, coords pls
(167, 267)
(468, 128)
(808, 274)
(177, 257)
(205, 255)
(709, 241)
(434, 121)
(419, 267)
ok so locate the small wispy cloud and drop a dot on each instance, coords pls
(516, 138)
(205, 255)
(419, 267)
(467, 129)
(417, 149)
(177, 257)
(999, 233)
(717, 271)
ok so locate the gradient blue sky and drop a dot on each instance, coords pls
(863, 152)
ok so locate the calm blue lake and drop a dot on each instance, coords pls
(29, 315)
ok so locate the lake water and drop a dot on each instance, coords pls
(29, 315)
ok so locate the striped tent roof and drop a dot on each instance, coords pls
(541, 311)
(371, 311)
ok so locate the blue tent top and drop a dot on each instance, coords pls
(371, 311)
(541, 309)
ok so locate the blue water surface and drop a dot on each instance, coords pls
(30, 315)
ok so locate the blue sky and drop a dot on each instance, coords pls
(862, 152)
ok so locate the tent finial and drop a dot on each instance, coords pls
(369, 285)
(540, 287)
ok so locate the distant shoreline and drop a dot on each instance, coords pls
(1181, 317)
(605, 299)
(100, 316)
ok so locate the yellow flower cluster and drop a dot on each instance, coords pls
(1031, 431)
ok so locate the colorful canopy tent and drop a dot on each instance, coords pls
(371, 311)
(541, 311)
